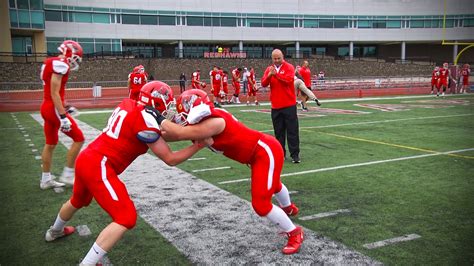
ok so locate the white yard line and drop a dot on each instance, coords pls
(324, 214)
(210, 169)
(390, 241)
(356, 165)
(197, 159)
(210, 225)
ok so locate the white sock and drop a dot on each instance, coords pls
(45, 177)
(279, 217)
(68, 171)
(94, 255)
(59, 224)
(283, 197)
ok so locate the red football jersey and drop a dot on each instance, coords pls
(50, 66)
(196, 80)
(118, 141)
(137, 80)
(443, 73)
(237, 141)
(251, 77)
(236, 73)
(465, 72)
(216, 77)
(224, 80)
(305, 73)
(435, 75)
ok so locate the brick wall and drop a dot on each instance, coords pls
(170, 69)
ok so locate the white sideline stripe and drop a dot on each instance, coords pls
(357, 165)
(34, 150)
(211, 169)
(167, 199)
(31, 144)
(292, 192)
(26, 135)
(104, 179)
(27, 139)
(196, 159)
(38, 157)
(390, 241)
(271, 167)
(324, 214)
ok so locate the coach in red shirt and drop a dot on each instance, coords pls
(280, 77)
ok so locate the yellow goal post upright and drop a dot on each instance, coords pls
(444, 42)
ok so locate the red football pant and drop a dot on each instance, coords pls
(96, 178)
(216, 90)
(266, 167)
(52, 125)
(225, 89)
(236, 87)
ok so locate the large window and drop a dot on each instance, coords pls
(416, 24)
(130, 19)
(149, 20)
(394, 24)
(53, 15)
(101, 18)
(343, 51)
(82, 17)
(270, 23)
(37, 19)
(24, 19)
(310, 23)
(195, 21)
(13, 18)
(167, 20)
(254, 22)
(36, 4)
(22, 45)
(341, 24)
(286, 23)
(228, 22)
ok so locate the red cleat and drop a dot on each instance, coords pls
(295, 239)
(291, 210)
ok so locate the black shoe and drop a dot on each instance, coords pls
(296, 159)
(317, 102)
(216, 104)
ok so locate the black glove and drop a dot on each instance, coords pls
(155, 113)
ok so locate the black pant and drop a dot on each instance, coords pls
(182, 86)
(285, 125)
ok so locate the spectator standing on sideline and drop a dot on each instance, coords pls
(245, 76)
(151, 77)
(280, 77)
(182, 82)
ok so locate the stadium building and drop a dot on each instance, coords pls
(389, 30)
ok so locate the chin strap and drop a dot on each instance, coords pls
(197, 113)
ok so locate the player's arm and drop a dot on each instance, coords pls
(161, 149)
(266, 78)
(205, 129)
(55, 87)
(129, 82)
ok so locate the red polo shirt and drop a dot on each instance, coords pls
(282, 88)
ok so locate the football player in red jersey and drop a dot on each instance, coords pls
(262, 152)
(444, 75)
(225, 87)
(236, 76)
(132, 129)
(136, 80)
(252, 87)
(435, 79)
(196, 82)
(55, 73)
(465, 72)
(216, 82)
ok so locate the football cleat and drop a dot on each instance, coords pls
(291, 210)
(295, 239)
(51, 184)
(318, 103)
(52, 235)
(68, 180)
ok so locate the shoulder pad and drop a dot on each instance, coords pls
(60, 67)
(151, 116)
(148, 136)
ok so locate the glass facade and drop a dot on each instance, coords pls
(22, 45)
(26, 14)
(89, 45)
(220, 19)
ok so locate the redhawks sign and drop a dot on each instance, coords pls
(225, 55)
